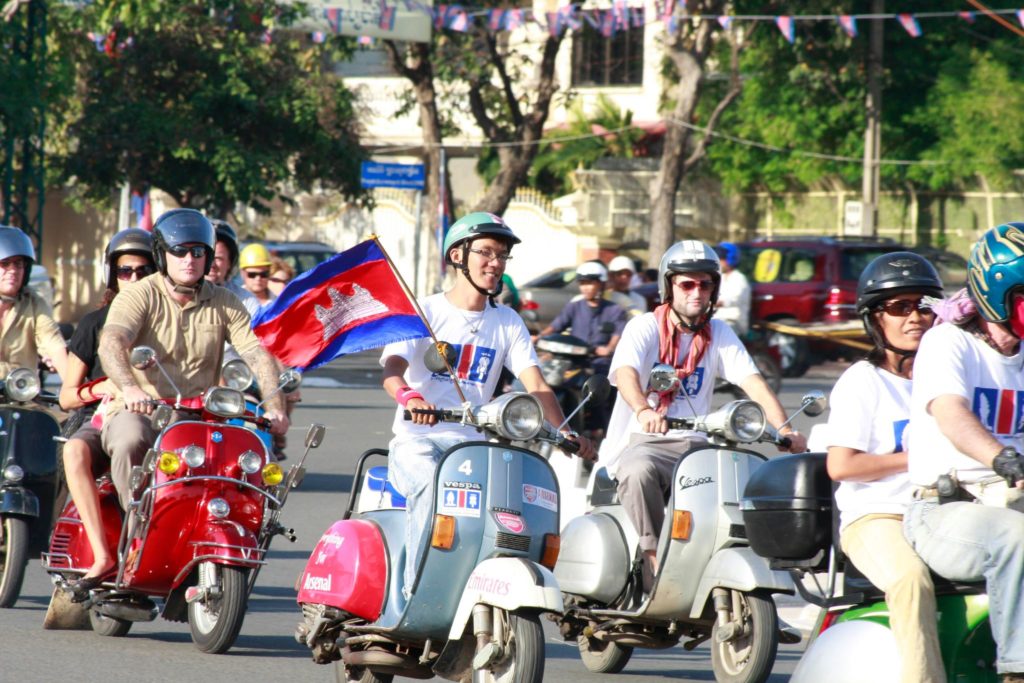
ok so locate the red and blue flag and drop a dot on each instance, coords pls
(349, 303)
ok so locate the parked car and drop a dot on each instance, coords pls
(544, 297)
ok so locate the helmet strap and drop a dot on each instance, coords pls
(184, 289)
(464, 267)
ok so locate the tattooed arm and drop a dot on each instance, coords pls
(265, 368)
(113, 351)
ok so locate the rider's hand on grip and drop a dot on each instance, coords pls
(420, 412)
(1009, 465)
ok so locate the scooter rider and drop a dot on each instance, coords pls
(733, 304)
(28, 330)
(487, 337)
(966, 418)
(870, 410)
(225, 263)
(682, 333)
(187, 319)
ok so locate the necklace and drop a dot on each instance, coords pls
(474, 327)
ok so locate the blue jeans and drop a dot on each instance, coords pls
(969, 542)
(412, 469)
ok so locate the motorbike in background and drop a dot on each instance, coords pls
(28, 475)
(205, 506)
(565, 363)
(766, 358)
(709, 584)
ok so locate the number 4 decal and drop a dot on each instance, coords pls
(466, 467)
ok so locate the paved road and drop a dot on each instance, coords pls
(346, 397)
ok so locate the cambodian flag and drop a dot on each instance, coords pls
(349, 303)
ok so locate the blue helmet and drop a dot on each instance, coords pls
(728, 252)
(996, 269)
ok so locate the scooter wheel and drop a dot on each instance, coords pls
(215, 624)
(14, 557)
(749, 656)
(601, 657)
(358, 674)
(111, 627)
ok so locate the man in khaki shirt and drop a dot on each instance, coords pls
(27, 329)
(186, 320)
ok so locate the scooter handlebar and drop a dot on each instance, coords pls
(568, 445)
(441, 415)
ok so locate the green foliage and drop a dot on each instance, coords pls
(605, 132)
(188, 97)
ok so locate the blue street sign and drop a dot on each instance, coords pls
(402, 176)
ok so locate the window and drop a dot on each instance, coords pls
(618, 60)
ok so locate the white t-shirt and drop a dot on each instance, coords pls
(638, 348)
(734, 301)
(501, 340)
(954, 361)
(870, 410)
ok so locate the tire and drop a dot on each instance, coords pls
(358, 674)
(603, 658)
(769, 369)
(524, 652)
(794, 353)
(749, 658)
(14, 555)
(111, 627)
(215, 624)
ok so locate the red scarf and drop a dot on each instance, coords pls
(668, 349)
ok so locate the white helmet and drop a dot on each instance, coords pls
(621, 263)
(592, 270)
(688, 256)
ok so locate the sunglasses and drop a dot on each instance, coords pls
(253, 274)
(279, 280)
(901, 308)
(690, 285)
(126, 272)
(180, 251)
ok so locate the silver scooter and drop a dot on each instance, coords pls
(709, 583)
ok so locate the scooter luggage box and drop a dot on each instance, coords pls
(787, 507)
(592, 560)
(347, 570)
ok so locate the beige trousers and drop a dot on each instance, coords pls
(876, 545)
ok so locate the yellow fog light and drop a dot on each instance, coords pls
(272, 474)
(169, 462)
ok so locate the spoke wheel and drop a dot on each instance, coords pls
(750, 656)
(523, 659)
(216, 621)
(111, 627)
(14, 555)
(601, 657)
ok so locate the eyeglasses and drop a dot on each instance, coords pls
(489, 255)
(901, 308)
(279, 280)
(180, 251)
(253, 274)
(690, 285)
(15, 262)
(126, 272)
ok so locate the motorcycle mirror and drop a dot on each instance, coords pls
(664, 378)
(814, 403)
(161, 417)
(597, 388)
(434, 361)
(289, 380)
(315, 435)
(142, 357)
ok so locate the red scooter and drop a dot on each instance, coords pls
(205, 506)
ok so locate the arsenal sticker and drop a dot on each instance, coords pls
(513, 523)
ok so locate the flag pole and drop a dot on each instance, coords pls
(419, 311)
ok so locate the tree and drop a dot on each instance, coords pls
(202, 102)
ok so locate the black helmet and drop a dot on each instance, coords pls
(182, 226)
(226, 234)
(130, 241)
(14, 242)
(895, 273)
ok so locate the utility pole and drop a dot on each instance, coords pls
(873, 127)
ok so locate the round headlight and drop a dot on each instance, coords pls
(13, 473)
(22, 385)
(194, 456)
(250, 462)
(272, 474)
(169, 462)
(237, 375)
(218, 507)
(746, 423)
(224, 402)
(522, 418)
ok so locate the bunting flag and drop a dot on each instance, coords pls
(725, 22)
(496, 19)
(387, 17)
(966, 16)
(608, 24)
(333, 17)
(909, 22)
(458, 20)
(554, 23)
(319, 37)
(785, 25)
(849, 24)
(1020, 16)
(569, 17)
(670, 8)
(515, 19)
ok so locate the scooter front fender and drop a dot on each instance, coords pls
(739, 569)
(15, 500)
(221, 542)
(509, 583)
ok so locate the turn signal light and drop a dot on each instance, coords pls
(552, 545)
(444, 532)
(682, 525)
(169, 462)
(272, 474)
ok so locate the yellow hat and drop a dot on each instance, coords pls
(254, 256)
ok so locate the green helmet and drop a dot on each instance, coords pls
(474, 225)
